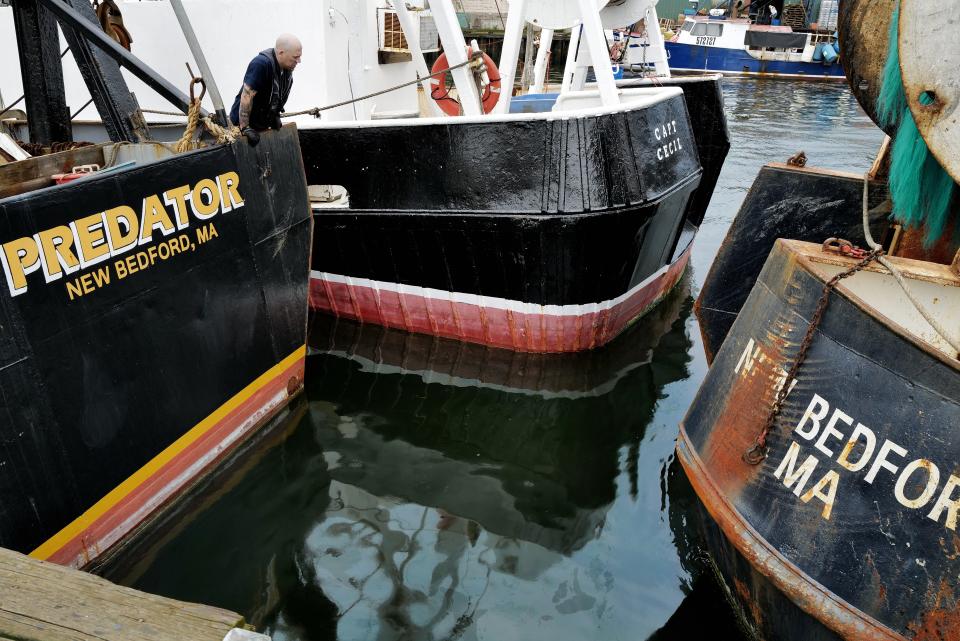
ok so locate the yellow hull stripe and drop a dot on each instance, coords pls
(101, 507)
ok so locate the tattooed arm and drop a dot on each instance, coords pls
(246, 104)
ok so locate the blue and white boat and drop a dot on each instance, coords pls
(738, 46)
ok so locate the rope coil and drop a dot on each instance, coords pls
(222, 134)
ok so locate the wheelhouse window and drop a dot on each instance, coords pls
(687, 25)
(708, 29)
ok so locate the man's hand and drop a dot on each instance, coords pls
(252, 135)
(277, 123)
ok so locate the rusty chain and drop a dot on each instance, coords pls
(757, 452)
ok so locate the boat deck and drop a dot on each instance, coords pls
(42, 601)
(876, 291)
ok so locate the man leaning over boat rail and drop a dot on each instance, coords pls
(266, 87)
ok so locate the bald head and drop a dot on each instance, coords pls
(288, 50)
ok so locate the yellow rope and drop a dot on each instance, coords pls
(222, 134)
(193, 118)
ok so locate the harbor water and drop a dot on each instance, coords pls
(426, 489)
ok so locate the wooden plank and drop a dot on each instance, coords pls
(45, 166)
(10, 147)
(42, 601)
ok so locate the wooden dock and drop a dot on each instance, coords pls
(42, 601)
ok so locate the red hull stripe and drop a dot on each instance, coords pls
(497, 322)
(131, 502)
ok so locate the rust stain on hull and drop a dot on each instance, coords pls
(877, 585)
(954, 551)
(746, 597)
(743, 416)
(736, 429)
(942, 621)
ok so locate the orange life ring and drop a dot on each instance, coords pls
(451, 106)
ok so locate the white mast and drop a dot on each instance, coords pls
(628, 13)
(599, 52)
(413, 43)
(510, 54)
(455, 49)
(540, 68)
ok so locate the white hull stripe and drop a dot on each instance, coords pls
(489, 302)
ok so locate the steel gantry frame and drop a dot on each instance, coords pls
(99, 59)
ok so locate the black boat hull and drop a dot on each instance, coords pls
(783, 202)
(126, 378)
(546, 234)
(847, 529)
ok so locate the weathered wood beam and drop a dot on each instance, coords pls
(117, 107)
(42, 601)
(42, 72)
(98, 57)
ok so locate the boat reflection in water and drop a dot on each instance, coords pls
(540, 469)
(433, 489)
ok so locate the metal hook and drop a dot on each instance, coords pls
(196, 80)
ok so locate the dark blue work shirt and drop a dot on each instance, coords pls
(272, 85)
